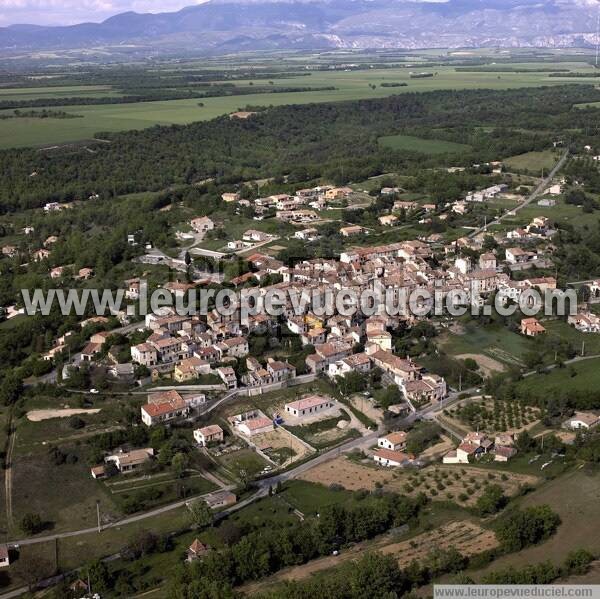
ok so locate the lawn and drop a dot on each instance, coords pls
(352, 85)
(532, 162)
(418, 144)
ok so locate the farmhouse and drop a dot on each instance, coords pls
(352, 230)
(389, 458)
(388, 220)
(582, 420)
(393, 441)
(585, 323)
(308, 406)
(131, 460)
(196, 551)
(209, 434)
(531, 327)
(202, 224)
(503, 454)
(463, 453)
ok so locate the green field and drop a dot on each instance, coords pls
(352, 85)
(424, 146)
(495, 342)
(532, 162)
(579, 377)
(574, 497)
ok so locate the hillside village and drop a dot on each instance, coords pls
(214, 413)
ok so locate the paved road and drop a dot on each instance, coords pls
(263, 485)
(534, 195)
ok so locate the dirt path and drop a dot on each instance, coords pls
(40, 415)
(8, 477)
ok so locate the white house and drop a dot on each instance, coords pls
(209, 434)
(256, 426)
(389, 458)
(394, 441)
(202, 224)
(309, 406)
(582, 420)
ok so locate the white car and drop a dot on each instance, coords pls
(94, 391)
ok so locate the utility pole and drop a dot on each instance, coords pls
(583, 348)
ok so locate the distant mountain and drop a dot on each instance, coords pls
(220, 26)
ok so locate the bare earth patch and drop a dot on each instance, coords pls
(281, 438)
(40, 415)
(486, 364)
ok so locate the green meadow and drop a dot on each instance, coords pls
(417, 144)
(349, 85)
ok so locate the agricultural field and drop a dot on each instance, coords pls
(460, 484)
(354, 85)
(493, 416)
(418, 144)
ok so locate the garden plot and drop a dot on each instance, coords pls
(463, 485)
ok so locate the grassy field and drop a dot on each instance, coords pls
(561, 213)
(581, 376)
(532, 162)
(574, 497)
(497, 343)
(65, 91)
(353, 85)
(417, 144)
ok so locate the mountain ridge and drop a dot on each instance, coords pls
(231, 25)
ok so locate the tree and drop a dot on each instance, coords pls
(99, 576)
(31, 523)
(491, 500)
(522, 528)
(179, 464)
(202, 515)
(10, 389)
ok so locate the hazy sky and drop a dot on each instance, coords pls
(66, 12)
